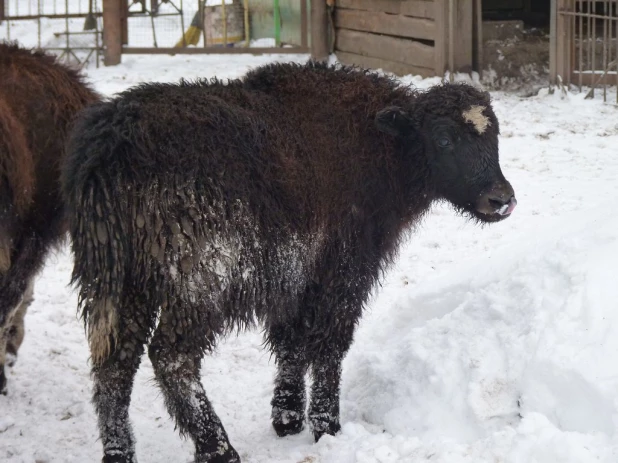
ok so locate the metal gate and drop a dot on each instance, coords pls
(587, 43)
(69, 28)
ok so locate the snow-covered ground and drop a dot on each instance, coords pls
(484, 344)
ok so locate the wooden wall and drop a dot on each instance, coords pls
(404, 36)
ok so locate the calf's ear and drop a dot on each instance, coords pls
(393, 120)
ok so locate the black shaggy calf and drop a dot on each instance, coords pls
(199, 207)
(39, 99)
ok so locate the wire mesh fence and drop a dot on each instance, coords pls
(73, 28)
(70, 28)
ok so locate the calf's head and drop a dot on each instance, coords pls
(456, 130)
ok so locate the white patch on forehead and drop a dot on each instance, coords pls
(477, 118)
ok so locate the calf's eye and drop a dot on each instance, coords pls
(444, 142)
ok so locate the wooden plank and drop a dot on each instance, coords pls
(464, 32)
(562, 47)
(452, 23)
(383, 23)
(416, 8)
(552, 44)
(389, 48)
(588, 78)
(400, 69)
(441, 37)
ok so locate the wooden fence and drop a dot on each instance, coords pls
(423, 37)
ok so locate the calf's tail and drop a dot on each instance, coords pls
(95, 208)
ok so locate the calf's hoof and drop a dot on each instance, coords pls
(119, 458)
(3, 389)
(11, 359)
(230, 456)
(287, 422)
(324, 427)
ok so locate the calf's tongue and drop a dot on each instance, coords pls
(508, 208)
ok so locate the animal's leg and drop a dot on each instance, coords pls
(11, 337)
(290, 398)
(327, 345)
(15, 285)
(176, 361)
(113, 383)
(324, 405)
(16, 330)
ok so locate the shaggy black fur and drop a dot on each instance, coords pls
(39, 99)
(281, 196)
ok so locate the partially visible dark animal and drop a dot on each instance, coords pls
(39, 99)
(198, 207)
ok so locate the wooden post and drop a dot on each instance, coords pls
(464, 32)
(561, 39)
(124, 23)
(319, 30)
(553, 48)
(478, 39)
(1, 11)
(112, 31)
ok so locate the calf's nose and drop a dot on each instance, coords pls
(498, 200)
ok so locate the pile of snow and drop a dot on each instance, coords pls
(495, 353)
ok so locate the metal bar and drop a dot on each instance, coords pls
(605, 41)
(51, 16)
(214, 51)
(66, 27)
(570, 58)
(304, 26)
(224, 21)
(277, 19)
(182, 20)
(247, 23)
(38, 22)
(585, 15)
(580, 48)
(588, 27)
(593, 42)
(8, 29)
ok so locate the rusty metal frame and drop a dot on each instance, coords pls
(581, 26)
(67, 52)
(303, 48)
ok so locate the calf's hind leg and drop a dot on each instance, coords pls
(176, 361)
(113, 382)
(289, 398)
(12, 335)
(16, 330)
